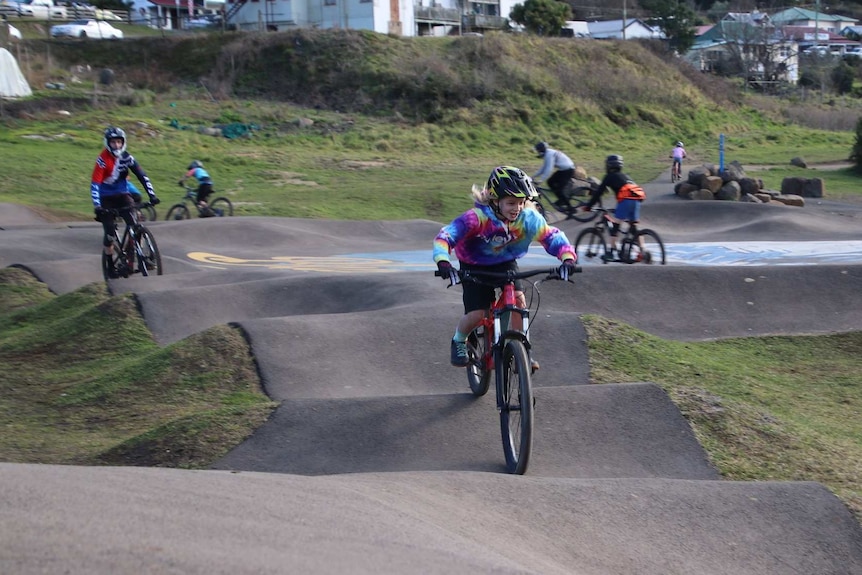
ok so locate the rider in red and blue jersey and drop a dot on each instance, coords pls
(109, 186)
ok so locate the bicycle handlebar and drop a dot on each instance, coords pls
(509, 276)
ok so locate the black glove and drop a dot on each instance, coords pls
(444, 269)
(154, 200)
(98, 212)
(182, 184)
(567, 268)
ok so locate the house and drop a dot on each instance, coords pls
(809, 18)
(449, 17)
(576, 29)
(750, 46)
(625, 30)
(811, 40)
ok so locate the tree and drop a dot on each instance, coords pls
(856, 153)
(542, 17)
(675, 19)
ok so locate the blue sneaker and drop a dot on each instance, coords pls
(459, 356)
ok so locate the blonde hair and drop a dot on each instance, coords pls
(481, 195)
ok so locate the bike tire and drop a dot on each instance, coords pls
(109, 262)
(581, 216)
(221, 206)
(590, 246)
(147, 213)
(653, 252)
(149, 258)
(478, 374)
(178, 212)
(515, 398)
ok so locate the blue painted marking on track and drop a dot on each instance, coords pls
(694, 254)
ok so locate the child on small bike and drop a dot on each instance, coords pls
(109, 186)
(678, 154)
(205, 186)
(629, 198)
(492, 236)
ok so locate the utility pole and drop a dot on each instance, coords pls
(624, 19)
(817, 23)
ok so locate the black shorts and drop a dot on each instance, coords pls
(480, 296)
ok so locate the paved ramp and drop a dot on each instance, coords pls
(379, 459)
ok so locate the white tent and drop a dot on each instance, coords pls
(12, 81)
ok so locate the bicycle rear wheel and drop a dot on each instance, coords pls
(652, 253)
(590, 245)
(478, 374)
(515, 400)
(178, 212)
(149, 257)
(221, 207)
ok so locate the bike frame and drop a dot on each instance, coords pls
(497, 325)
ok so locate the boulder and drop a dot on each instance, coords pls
(711, 183)
(805, 187)
(750, 185)
(696, 174)
(729, 192)
(700, 194)
(799, 162)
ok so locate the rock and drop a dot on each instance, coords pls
(805, 187)
(799, 162)
(750, 185)
(701, 194)
(711, 183)
(729, 192)
(683, 189)
(753, 199)
(789, 200)
(696, 174)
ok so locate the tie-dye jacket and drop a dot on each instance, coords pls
(479, 237)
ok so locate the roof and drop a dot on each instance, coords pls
(613, 28)
(792, 14)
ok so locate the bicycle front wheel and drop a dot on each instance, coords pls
(652, 252)
(478, 374)
(515, 401)
(147, 213)
(178, 212)
(221, 207)
(590, 245)
(149, 257)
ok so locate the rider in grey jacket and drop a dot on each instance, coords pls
(565, 170)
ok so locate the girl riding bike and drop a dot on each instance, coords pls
(491, 237)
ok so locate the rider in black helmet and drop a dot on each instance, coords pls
(629, 197)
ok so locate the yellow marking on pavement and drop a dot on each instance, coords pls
(308, 264)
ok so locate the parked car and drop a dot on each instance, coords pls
(42, 9)
(86, 29)
(9, 7)
(205, 21)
